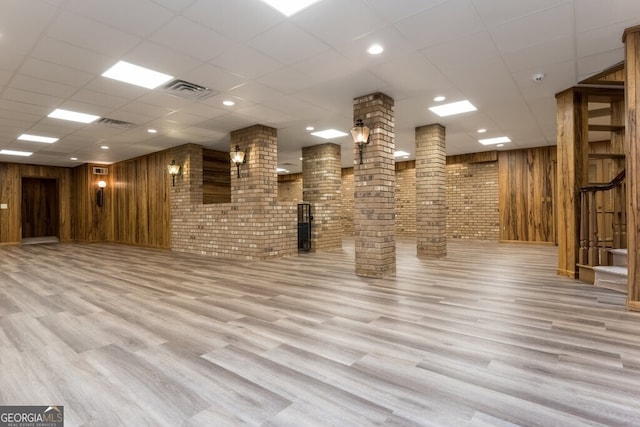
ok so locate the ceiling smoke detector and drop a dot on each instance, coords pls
(538, 77)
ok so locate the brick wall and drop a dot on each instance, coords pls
(253, 227)
(290, 188)
(406, 199)
(472, 201)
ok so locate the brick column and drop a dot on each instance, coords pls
(374, 195)
(258, 182)
(431, 192)
(187, 191)
(631, 40)
(322, 182)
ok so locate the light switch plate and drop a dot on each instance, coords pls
(3, 206)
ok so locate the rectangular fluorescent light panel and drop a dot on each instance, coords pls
(289, 7)
(453, 108)
(136, 75)
(491, 141)
(72, 116)
(36, 138)
(400, 154)
(329, 134)
(15, 153)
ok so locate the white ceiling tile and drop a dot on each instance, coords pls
(160, 58)
(175, 5)
(328, 66)
(101, 99)
(255, 92)
(140, 17)
(287, 43)
(555, 78)
(593, 64)
(22, 23)
(393, 11)
(29, 97)
(592, 14)
(55, 73)
(548, 25)
(334, 28)
(540, 55)
(213, 77)
(162, 99)
(44, 87)
(245, 62)
(414, 73)
(448, 21)
(287, 80)
(495, 12)
(240, 20)
(66, 55)
(148, 110)
(90, 34)
(598, 40)
(192, 39)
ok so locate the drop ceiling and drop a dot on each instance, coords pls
(293, 72)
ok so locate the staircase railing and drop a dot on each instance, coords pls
(593, 245)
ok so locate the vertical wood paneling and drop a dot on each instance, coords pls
(216, 177)
(91, 222)
(11, 175)
(632, 141)
(526, 195)
(141, 200)
(572, 122)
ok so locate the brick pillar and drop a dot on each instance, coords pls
(374, 195)
(631, 40)
(187, 191)
(431, 192)
(322, 182)
(258, 182)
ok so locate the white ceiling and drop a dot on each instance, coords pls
(294, 72)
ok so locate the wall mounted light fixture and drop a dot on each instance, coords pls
(238, 157)
(173, 169)
(360, 134)
(100, 193)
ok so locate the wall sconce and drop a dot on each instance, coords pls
(100, 193)
(238, 157)
(360, 134)
(173, 169)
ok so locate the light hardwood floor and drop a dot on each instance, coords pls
(489, 336)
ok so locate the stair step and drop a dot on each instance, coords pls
(611, 277)
(619, 257)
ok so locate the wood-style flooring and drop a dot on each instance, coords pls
(489, 336)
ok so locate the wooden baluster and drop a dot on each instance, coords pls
(583, 256)
(593, 230)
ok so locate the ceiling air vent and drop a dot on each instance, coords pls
(113, 123)
(97, 170)
(188, 90)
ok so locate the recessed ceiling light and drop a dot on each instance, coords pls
(400, 153)
(15, 153)
(282, 170)
(491, 141)
(439, 98)
(105, 147)
(136, 75)
(375, 49)
(73, 116)
(310, 128)
(73, 158)
(482, 130)
(289, 7)
(453, 108)
(329, 133)
(36, 138)
(228, 103)
(152, 131)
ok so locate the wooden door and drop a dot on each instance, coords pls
(40, 207)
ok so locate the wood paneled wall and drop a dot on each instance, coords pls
(92, 223)
(527, 187)
(141, 201)
(11, 175)
(216, 178)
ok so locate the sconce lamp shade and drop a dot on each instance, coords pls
(173, 169)
(360, 133)
(100, 193)
(102, 184)
(238, 157)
